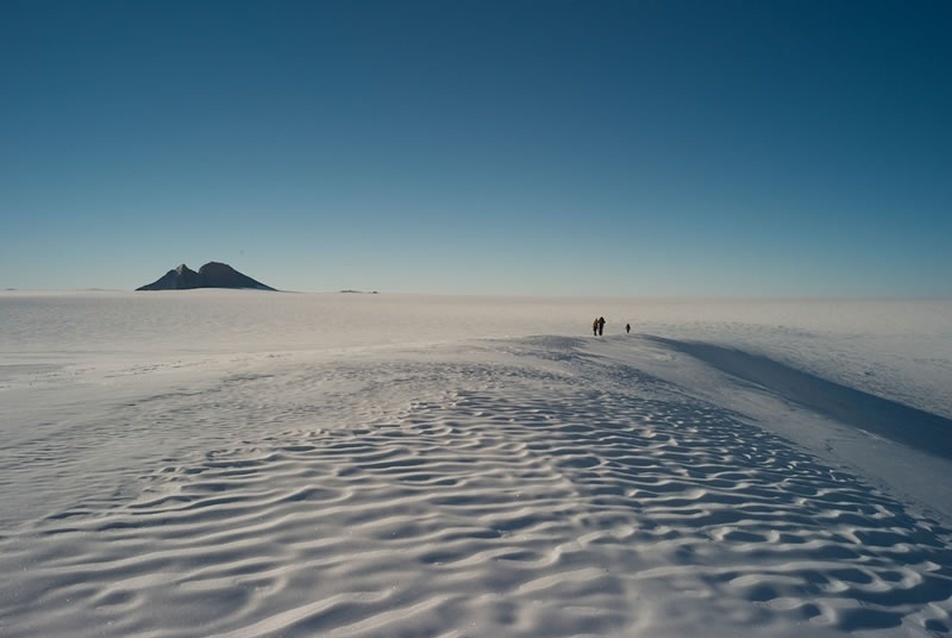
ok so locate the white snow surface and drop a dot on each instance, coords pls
(244, 463)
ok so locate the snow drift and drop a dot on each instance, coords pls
(324, 466)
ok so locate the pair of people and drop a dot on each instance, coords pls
(598, 326)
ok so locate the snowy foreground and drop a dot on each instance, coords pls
(221, 463)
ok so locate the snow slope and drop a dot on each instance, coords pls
(230, 463)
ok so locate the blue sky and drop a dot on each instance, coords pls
(691, 148)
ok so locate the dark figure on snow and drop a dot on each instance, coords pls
(595, 327)
(627, 328)
(601, 326)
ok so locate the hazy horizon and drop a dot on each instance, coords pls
(687, 298)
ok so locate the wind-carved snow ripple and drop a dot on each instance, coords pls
(494, 512)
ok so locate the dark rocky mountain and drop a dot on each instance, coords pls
(212, 275)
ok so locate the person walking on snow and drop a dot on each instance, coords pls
(627, 328)
(595, 327)
(601, 326)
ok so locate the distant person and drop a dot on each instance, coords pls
(627, 328)
(595, 327)
(601, 326)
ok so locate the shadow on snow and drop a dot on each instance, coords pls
(907, 425)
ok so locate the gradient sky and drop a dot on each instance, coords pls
(659, 148)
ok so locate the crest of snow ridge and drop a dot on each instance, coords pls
(212, 275)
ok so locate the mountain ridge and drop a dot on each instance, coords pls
(214, 274)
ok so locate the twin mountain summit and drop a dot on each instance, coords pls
(212, 275)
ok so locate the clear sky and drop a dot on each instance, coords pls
(696, 147)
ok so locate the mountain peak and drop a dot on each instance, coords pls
(214, 274)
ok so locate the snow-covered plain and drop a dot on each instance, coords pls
(236, 463)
